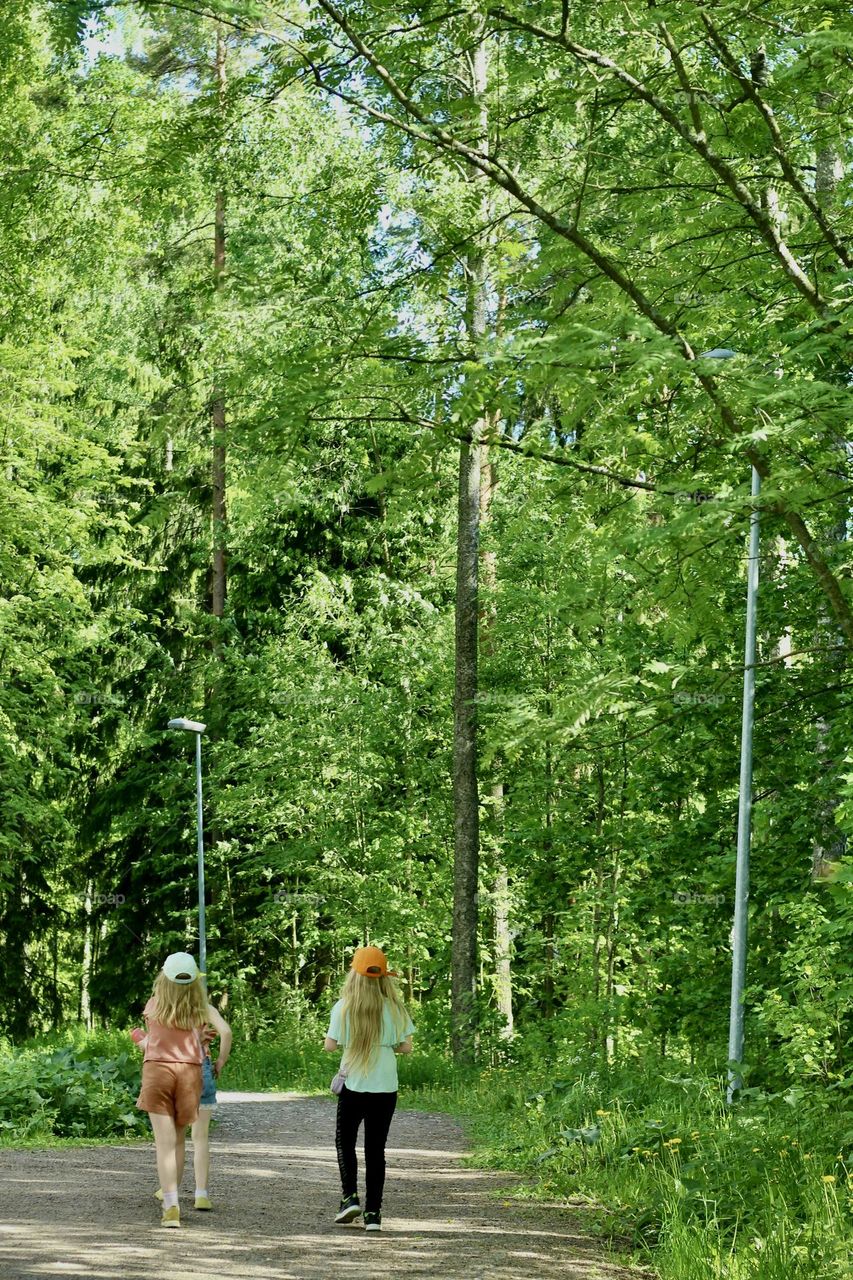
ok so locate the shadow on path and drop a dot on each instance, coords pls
(90, 1214)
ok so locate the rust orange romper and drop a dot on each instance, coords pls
(171, 1071)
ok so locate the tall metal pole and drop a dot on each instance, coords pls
(202, 939)
(744, 807)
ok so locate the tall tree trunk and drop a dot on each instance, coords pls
(777, 563)
(85, 1010)
(219, 515)
(409, 831)
(217, 406)
(503, 948)
(501, 898)
(830, 843)
(466, 799)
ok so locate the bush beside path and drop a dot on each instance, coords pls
(90, 1213)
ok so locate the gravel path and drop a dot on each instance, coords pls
(89, 1213)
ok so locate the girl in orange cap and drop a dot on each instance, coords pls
(371, 1024)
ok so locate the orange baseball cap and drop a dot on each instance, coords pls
(371, 963)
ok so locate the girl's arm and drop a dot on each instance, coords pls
(225, 1037)
(139, 1035)
(330, 1045)
(405, 1046)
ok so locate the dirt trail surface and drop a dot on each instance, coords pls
(90, 1212)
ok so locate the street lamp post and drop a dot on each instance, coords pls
(744, 814)
(193, 726)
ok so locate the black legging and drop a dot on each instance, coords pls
(376, 1110)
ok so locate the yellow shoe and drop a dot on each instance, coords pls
(203, 1202)
(171, 1217)
(158, 1194)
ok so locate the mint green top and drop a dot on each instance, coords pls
(382, 1076)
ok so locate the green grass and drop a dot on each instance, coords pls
(700, 1190)
(50, 1142)
(282, 1065)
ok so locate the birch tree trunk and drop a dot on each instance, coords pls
(501, 895)
(85, 1009)
(466, 800)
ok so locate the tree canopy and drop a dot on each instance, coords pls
(275, 280)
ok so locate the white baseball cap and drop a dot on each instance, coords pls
(181, 967)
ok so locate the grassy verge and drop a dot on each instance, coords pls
(700, 1190)
(50, 1142)
(285, 1065)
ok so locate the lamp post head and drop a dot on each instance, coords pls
(192, 725)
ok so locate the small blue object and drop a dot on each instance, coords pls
(208, 1084)
(718, 353)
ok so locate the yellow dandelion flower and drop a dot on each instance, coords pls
(602, 1113)
(828, 1177)
(673, 1142)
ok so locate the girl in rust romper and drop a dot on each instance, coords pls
(171, 1068)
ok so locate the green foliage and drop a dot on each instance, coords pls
(69, 1092)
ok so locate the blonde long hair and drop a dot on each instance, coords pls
(364, 1000)
(179, 1004)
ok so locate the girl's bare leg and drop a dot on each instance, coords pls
(201, 1147)
(180, 1151)
(166, 1141)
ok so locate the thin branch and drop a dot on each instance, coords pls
(697, 140)
(500, 441)
(684, 80)
(198, 12)
(766, 111)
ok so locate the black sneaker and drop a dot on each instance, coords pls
(373, 1222)
(350, 1208)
